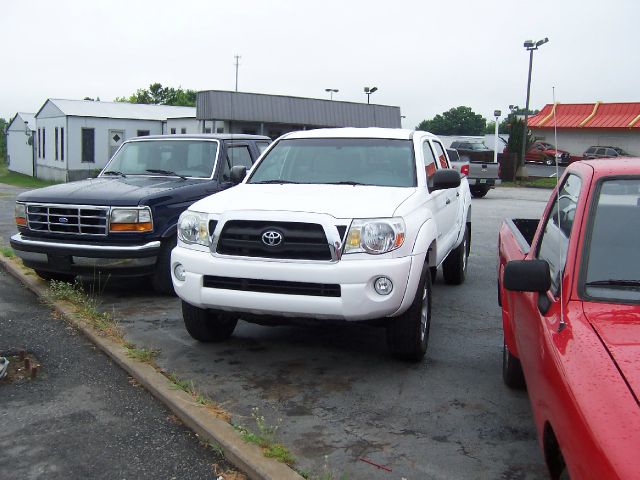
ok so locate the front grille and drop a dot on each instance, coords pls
(273, 286)
(300, 241)
(71, 219)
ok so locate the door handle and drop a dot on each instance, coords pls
(448, 201)
(457, 194)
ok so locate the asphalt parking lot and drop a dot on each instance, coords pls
(342, 402)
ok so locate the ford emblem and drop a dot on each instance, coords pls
(272, 238)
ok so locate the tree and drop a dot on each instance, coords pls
(503, 126)
(457, 121)
(3, 140)
(156, 94)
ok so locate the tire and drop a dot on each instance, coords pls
(207, 326)
(60, 277)
(454, 267)
(512, 374)
(408, 334)
(161, 279)
(549, 161)
(479, 192)
(434, 274)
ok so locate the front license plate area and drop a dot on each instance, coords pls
(60, 262)
(483, 180)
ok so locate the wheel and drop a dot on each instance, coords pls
(479, 192)
(207, 326)
(511, 370)
(161, 279)
(408, 334)
(549, 161)
(60, 277)
(454, 267)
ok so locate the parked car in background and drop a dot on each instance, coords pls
(598, 151)
(569, 287)
(483, 175)
(123, 223)
(543, 152)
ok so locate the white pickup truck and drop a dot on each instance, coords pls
(344, 224)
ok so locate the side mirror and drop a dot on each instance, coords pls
(527, 276)
(237, 174)
(446, 178)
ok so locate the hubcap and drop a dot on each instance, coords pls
(423, 314)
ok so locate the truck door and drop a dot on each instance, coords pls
(538, 315)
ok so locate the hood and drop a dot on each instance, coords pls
(129, 190)
(339, 201)
(618, 327)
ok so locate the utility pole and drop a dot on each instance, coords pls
(237, 57)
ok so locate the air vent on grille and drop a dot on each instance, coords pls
(72, 219)
(273, 286)
(298, 241)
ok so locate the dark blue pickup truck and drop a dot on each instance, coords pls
(123, 223)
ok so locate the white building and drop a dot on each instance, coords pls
(581, 125)
(75, 138)
(20, 157)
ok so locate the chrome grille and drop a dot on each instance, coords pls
(71, 219)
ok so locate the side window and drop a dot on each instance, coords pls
(236, 155)
(442, 158)
(600, 151)
(611, 152)
(262, 146)
(429, 161)
(557, 231)
(590, 151)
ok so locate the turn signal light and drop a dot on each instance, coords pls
(131, 227)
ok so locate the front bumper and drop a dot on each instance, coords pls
(357, 300)
(82, 258)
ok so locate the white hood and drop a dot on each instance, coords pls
(339, 201)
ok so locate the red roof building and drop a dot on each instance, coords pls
(581, 125)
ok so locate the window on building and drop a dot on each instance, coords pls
(143, 133)
(183, 130)
(55, 134)
(62, 143)
(173, 131)
(220, 130)
(88, 145)
(39, 145)
(44, 143)
(207, 130)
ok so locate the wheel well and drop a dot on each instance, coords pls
(432, 254)
(552, 453)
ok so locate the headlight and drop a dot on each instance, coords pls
(21, 214)
(375, 236)
(131, 220)
(558, 155)
(192, 228)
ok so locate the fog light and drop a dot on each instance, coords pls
(179, 271)
(383, 285)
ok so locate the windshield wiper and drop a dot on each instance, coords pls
(275, 181)
(346, 182)
(113, 172)
(165, 172)
(614, 283)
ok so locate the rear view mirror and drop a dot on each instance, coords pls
(446, 178)
(237, 174)
(527, 276)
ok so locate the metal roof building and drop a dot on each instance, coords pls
(99, 109)
(273, 115)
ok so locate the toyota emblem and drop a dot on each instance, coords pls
(272, 238)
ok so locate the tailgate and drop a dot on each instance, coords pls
(483, 170)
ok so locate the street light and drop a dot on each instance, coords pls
(496, 113)
(331, 91)
(530, 45)
(368, 91)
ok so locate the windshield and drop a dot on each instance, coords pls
(349, 161)
(613, 256)
(188, 158)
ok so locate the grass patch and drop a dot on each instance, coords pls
(7, 252)
(545, 182)
(144, 355)
(21, 180)
(265, 438)
(87, 307)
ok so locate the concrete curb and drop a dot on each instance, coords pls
(245, 456)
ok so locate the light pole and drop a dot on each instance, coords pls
(530, 45)
(496, 113)
(331, 91)
(368, 91)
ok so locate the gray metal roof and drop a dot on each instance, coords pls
(255, 107)
(24, 117)
(88, 108)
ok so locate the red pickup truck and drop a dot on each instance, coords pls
(569, 287)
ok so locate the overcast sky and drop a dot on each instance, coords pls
(424, 56)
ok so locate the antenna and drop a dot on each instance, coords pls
(562, 323)
(237, 64)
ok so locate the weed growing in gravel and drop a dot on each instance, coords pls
(265, 438)
(145, 355)
(7, 252)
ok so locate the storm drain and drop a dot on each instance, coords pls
(18, 367)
